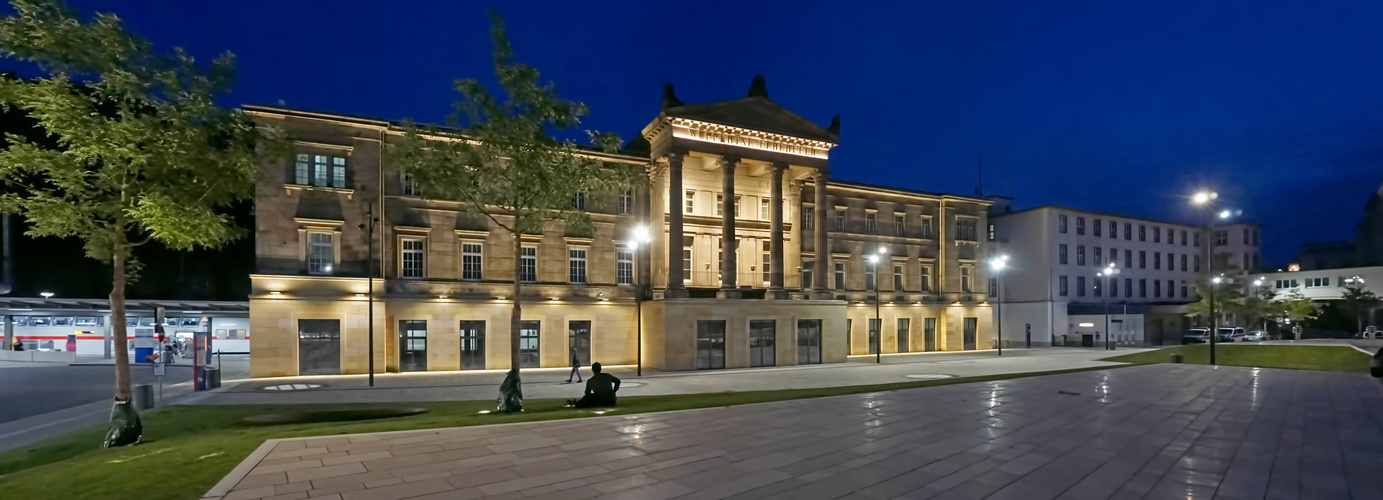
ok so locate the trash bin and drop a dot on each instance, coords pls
(1176, 358)
(144, 397)
(213, 377)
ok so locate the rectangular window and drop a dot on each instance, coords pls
(1095, 224)
(689, 202)
(1099, 259)
(1157, 261)
(687, 242)
(1157, 289)
(1080, 286)
(807, 269)
(737, 207)
(926, 277)
(1080, 226)
(1221, 238)
(528, 264)
(764, 209)
(904, 345)
(1171, 289)
(1061, 224)
(321, 253)
(1080, 255)
(1113, 287)
(1183, 291)
(1142, 287)
(1142, 259)
(807, 218)
(1317, 282)
(840, 275)
(897, 277)
(720, 204)
(767, 260)
(413, 258)
(965, 229)
(927, 227)
(1246, 236)
(991, 233)
(1157, 234)
(869, 277)
(578, 200)
(1198, 264)
(301, 169)
(319, 170)
(900, 224)
(1183, 263)
(410, 187)
(871, 223)
(338, 172)
(993, 287)
(624, 267)
(1128, 259)
(1114, 229)
(1061, 285)
(1097, 286)
(1061, 254)
(626, 202)
(840, 220)
(966, 273)
(471, 262)
(1128, 231)
(1197, 235)
(576, 265)
(1183, 237)
(1142, 233)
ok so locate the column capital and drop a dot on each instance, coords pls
(676, 156)
(778, 166)
(728, 161)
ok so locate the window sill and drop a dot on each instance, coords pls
(289, 188)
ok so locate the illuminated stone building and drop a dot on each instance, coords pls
(802, 290)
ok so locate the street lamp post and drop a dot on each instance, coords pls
(997, 265)
(878, 320)
(1107, 275)
(369, 227)
(637, 246)
(1206, 200)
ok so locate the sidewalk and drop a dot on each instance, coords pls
(551, 382)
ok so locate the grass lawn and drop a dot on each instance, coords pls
(1300, 357)
(187, 449)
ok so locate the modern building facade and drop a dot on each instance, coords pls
(1067, 266)
(751, 262)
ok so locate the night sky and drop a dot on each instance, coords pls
(1124, 106)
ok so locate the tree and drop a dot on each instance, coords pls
(1358, 302)
(502, 163)
(143, 152)
(1294, 306)
(1229, 299)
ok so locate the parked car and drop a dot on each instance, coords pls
(1230, 334)
(1196, 336)
(1256, 336)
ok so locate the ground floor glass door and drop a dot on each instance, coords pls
(710, 344)
(875, 324)
(761, 345)
(528, 344)
(579, 339)
(319, 347)
(472, 345)
(929, 334)
(412, 346)
(903, 325)
(969, 333)
(808, 341)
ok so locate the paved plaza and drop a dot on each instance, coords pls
(550, 382)
(1159, 431)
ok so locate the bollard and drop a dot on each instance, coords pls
(1176, 358)
(144, 397)
(213, 377)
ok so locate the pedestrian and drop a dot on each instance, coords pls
(600, 390)
(575, 367)
(18, 346)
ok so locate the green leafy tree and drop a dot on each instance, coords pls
(1229, 299)
(142, 150)
(1294, 306)
(1359, 302)
(499, 159)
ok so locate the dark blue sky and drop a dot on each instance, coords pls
(1124, 106)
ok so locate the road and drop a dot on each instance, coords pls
(40, 389)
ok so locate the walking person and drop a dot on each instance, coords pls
(575, 367)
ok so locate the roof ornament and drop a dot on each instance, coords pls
(835, 125)
(670, 99)
(758, 87)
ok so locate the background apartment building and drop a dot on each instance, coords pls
(1067, 267)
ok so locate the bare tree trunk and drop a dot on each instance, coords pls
(117, 319)
(517, 314)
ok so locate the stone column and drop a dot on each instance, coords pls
(729, 266)
(775, 244)
(9, 332)
(823, 278)
(675, 287)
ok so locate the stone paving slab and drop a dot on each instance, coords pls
(1160, 431)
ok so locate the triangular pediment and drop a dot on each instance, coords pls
(754, 113)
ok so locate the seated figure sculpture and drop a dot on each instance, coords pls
(600, 390)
